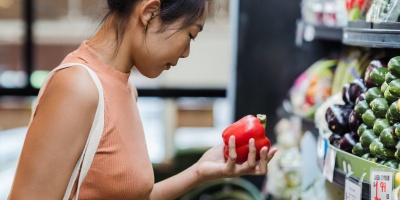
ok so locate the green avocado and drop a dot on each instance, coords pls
(379, 125)
(379, 106)
(394, 66)
(373, 93)
(378, 75)
(388, 137)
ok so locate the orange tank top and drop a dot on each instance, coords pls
(121, 168)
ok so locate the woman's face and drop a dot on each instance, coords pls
(161, 50)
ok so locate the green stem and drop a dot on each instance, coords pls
(263, 119)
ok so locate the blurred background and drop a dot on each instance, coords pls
(273, 57)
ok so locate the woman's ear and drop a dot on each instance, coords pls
(148, 10)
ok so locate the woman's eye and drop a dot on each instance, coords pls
(191, 36)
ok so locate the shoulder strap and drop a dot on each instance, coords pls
(92, 143)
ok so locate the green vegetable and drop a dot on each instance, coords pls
(394, 66)
(388, 138)
(397, 154)
(394, 87)
(361, 129)
(383, 87)
(373, 93)
(379, 106)
(393, 163)
(367, 137)
(393, 112)
(369, 118)
(389, 96)
(361, 107)
(369, 157)
(373, 146)
(396, 127)
(379, 125)
(359, 150)
(389, 77)
(382, 152)
(378, 75)
(382, 162)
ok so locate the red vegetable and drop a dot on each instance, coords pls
(244, 129)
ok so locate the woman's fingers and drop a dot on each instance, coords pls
(232, 154)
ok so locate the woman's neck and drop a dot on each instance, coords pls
(105, 46)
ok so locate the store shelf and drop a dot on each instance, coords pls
(358, 166)
(309, 32)
(376, 35)
(339, 178)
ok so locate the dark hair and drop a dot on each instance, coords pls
(170, 11)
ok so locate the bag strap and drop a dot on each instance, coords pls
(96, 131)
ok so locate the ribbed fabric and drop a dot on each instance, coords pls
(121, 167)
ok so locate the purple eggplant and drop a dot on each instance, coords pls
(354, 121)
(360, 98)
(334, 140)
(337, 117)
(356, 88)
(348, 141)
(345, 93)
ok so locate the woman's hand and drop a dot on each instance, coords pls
(213, 165)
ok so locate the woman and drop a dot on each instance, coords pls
(150, 35)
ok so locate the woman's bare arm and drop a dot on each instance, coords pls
(57, 136)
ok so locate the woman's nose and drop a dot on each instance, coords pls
(186, 52)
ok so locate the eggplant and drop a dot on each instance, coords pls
(356, 88)
(360, 98)
(348, 141)
(354, 121)
(345, 93)
(337, 117)
(334, 139)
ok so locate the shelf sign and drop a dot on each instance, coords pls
(329, 165)
(352, 190)
(381, 184)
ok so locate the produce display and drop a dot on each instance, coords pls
(312, 87)
(368, 124)
(244, 129)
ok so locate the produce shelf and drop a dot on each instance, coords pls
(376, 35)
(310, 32)
(359, 166)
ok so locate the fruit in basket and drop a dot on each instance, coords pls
(379, 107)
(361, 129)
(379, 125)
(393, 114)
(378, 75)
(369, 118)
(389, 96)
(347, 141)
(373, 93)
(388, 137)
(389, 77)
(244, 129)
(354, 121)
(337, 117)
(361, 107)
(372, 75)
(358, 150)
(394, 87)
(393, 163)
(396, 127)
(394, 66)
(367, 137)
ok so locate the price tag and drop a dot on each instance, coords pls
(352, 190)
(381, 184)
(329, 164)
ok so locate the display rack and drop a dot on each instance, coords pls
(309, 32)
(360, 34)
(376, 35)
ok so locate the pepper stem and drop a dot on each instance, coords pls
(263, 119)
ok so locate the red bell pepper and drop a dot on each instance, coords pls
(244, 129)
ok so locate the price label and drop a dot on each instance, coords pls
(381, 184)
(329, 164)
(352, 190)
